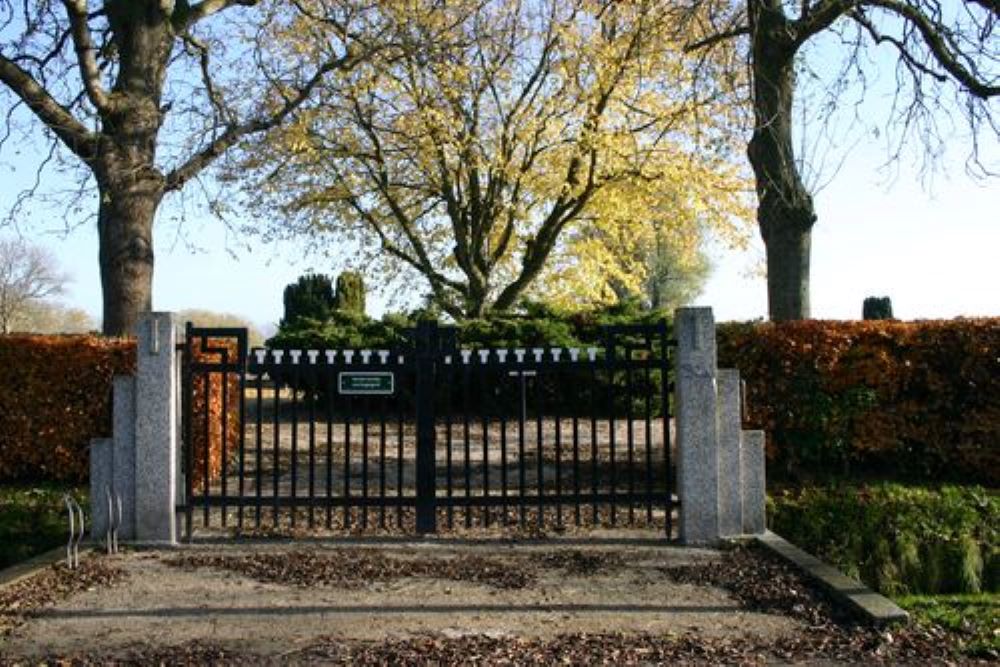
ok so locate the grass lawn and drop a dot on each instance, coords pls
(33, 519)
(973, 617)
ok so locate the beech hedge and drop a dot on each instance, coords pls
(902, 399)
(58, 398)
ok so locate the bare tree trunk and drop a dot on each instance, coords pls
(788, 247)
(785, 211)
(125, 226)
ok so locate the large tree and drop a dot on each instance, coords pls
(947, 55)
(465, 158)
(145, 94)
(29, 275)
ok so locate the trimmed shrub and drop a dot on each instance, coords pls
(350, 295)
(309, 297)
(908, 399)
(57, 397)
(877, 308)
(212, 391)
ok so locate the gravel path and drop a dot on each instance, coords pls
(414, 603)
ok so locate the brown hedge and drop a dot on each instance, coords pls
(222, 390)
(919, 398)
(56, 397)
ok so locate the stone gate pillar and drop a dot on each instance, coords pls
(138, 465)
(720, 467)
(156, 405)
(697, 426)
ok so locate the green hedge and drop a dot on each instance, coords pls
(534, 325)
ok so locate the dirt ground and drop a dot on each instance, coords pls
(270, 599)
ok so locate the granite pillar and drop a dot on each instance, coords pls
(697, 426)
(730, 475)
(752, 464)
(101, 471)
(155, 429)
(123, 453)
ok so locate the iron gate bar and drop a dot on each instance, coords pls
(241, 443)
(522, 418)
(399, 460)
(294, 467)
(349, 401)
(312, 443)
(556, 410)
(364, 459)
(484, 413)
(276, 439)
(223, 431)
(594, 468)
(208, 413)
(381, 458)
(608, 359)
(503, 454)
(576, 462)
(329, 449)
(630, 434)
(449, 369)
(467, 441)
(540, 483)
(649, 437)
(258, 463)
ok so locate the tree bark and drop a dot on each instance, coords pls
(785, 210)
(125, 227)
(788, 247)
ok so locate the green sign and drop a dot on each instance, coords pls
(365, 383)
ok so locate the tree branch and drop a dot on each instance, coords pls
(235, 132)
(55, 116)
(83, 44)
(184, 20)
(820, 17)
(712, 40)
(900, 46)
(215, 99)
(932, 34)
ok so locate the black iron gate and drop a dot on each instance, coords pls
(427, 434)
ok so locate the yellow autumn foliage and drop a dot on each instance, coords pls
(494, 148)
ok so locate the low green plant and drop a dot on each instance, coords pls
(898, 539)
(33, 519)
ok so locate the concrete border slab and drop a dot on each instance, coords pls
(860, 599)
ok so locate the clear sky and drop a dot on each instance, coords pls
(933, 247)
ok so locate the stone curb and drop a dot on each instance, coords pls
(27, 568)
(866, 603)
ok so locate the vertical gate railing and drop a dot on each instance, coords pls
(538, 435)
